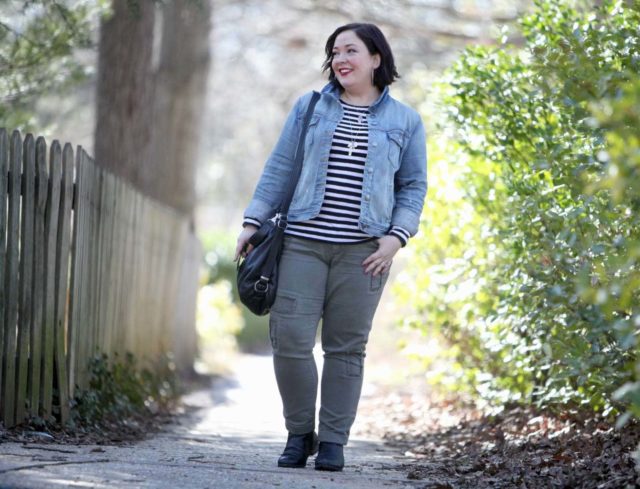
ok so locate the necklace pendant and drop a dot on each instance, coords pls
(352, 145)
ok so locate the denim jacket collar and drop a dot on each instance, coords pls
(332, 90)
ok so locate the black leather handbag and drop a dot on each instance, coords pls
(257, 274)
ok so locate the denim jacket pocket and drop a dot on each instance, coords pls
(310, 136)
(395, 139)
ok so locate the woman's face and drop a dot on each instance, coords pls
(352, 63)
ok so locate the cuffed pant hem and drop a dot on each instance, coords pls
(331, 437)
(300, 429)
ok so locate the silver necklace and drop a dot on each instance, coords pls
(352, 144)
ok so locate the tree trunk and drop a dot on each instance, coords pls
(125, 90)
(149, 122)
(180, 100)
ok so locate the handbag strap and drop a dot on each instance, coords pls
(297, 165)
(269, 265)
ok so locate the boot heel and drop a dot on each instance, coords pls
(298, 449)
(330, 457)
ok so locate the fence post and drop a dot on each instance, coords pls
(25, 317)
(77, 361)
(39, 271)
(61, 279)
(51, 233)
(4, 181)
(11, 281)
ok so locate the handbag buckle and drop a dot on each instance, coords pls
(282, 221)
(261, 286)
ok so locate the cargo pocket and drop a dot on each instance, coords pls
(355, 366)
(284, 304)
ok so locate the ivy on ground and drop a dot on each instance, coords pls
(120, 391)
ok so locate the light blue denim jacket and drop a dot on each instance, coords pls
(395, 177)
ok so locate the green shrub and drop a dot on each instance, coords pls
(529, 246)
(614, 282)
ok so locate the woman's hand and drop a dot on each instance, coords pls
(243, 247)
(380, 260)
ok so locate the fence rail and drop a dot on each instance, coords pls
(87, 264)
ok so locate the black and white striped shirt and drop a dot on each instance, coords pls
(338, 219)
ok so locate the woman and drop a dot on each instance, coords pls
(357, 202)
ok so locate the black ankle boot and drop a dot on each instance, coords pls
(298, 449)
(330, 457)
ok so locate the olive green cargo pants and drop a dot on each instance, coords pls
(322, 281)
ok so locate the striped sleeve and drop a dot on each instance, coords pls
(400, 233)
(250, 221)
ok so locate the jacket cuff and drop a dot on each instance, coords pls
(259, 211)
(405, 219)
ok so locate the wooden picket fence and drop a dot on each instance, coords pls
(87, 265)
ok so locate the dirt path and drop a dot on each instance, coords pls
(230, 437)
